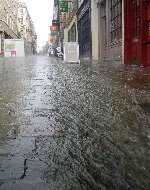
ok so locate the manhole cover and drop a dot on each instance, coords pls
(145, 107)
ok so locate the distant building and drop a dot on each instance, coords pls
(55, 25)
(71, 22)
(8, 21)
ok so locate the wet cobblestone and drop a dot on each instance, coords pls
(77, 126)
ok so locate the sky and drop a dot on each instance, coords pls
(41, 12)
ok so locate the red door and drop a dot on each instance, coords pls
(133, 33)
(137, 32)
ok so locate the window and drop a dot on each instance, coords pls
(116, 20)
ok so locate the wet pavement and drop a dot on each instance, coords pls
(73, 127)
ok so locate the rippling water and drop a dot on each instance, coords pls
(85, 122)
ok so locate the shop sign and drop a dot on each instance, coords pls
(71, 52)
(63, 6)
(9, 46)
(55, 21)
(14, 47)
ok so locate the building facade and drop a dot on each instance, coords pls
(72, 22)
(55, 26)
(84, 29)
(110, 29)
(8, 21)
(113, 30)
(137, 32)
(124, 31)
(26, 29)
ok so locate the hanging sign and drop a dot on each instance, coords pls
(55, 21)
(71, 52)
(63, 6)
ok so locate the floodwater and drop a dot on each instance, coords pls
(73, 127)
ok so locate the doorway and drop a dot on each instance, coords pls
(137, 32)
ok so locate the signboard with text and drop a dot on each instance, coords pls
(14, 47)
(56, 22)
(63, 6)
(71, 52)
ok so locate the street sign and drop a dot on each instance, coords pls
(63, 6)
(71, 52)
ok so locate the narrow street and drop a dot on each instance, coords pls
(72, 127)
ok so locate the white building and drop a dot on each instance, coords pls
(8, 21)
(26, 28)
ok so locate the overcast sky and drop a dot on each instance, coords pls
(41, 13)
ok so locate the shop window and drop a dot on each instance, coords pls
(116, 20)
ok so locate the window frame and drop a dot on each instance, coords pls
(116, 20)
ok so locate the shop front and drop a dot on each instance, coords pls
(137, 32)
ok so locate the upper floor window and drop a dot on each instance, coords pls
(116, 20)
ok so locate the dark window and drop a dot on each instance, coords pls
(116, 20)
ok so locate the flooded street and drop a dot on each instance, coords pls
(73, 127)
